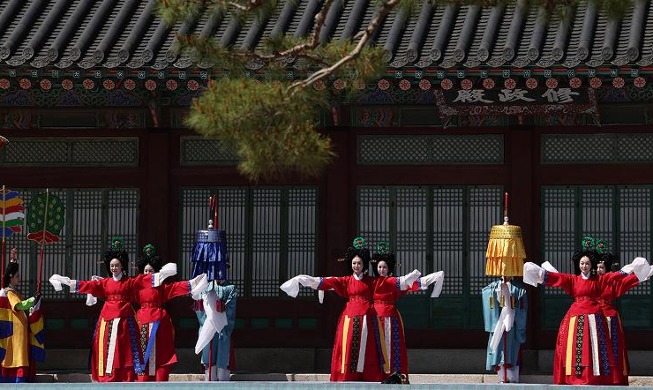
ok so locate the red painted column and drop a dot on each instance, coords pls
(155, 224)
(338, 211)
(338, 223)
(521, 155)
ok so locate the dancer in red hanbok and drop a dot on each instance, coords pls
(581, 355)
(156, 333)
(355, 355)
(389, 327)
(115, 354)
(617, 340)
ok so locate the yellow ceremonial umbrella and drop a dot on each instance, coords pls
(505, 251)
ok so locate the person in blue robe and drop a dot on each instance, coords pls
(217, 355)
(216, 311)
(505, 308)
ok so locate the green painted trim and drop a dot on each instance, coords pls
(307, 323)
(240, 323)
(283, 323)
(259, 323)
(79, 323)
(55, 323)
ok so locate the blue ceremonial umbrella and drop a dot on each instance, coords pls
(210, 254)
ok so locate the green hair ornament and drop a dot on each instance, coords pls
(149, 250)
(588, 243)
(383, 247)
(359, 242)
(602, 247)
(117, 243)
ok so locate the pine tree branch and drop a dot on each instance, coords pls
(315, 37)
(249, 6)
(363, 36)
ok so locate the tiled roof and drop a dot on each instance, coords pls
(127, 33)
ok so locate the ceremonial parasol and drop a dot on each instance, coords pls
(505, 251)
(210, 256)
(210, 250)
(505, 257)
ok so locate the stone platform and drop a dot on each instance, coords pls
(273, 381)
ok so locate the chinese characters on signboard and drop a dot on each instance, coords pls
(549, 103)
(517, 95)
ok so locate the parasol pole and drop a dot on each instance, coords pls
(4, 240)
(504, 279)
(215, 212)
(3, 141)
(42, 254)
(505, 208)
(210, 358)
(213, 206)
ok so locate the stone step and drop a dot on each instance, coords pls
(637, 381)
(318, 360)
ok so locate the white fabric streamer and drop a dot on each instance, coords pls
(596, 368)
(213, 324)
(361, 350)
(166, 271)
(640, 267)
(407, 280)
(57, 281)
(436, 278)
(112, 346)
(507, 316)
(90, 299)
(549, 267)
(533, 274)
(198, 285)
(291, 287)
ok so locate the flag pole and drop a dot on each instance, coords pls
(4, 233)
(42, 255)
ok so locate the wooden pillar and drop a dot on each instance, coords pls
(338, 224)
(524, 201)
(155, 224)
(339, 199)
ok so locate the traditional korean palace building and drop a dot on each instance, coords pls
(475, 102)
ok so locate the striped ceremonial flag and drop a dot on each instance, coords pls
(11, 212)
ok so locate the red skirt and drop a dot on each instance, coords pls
(582, 354)
(617, 347)
(391, 345)
(157, 368)
(355, 356)
(114, 361)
